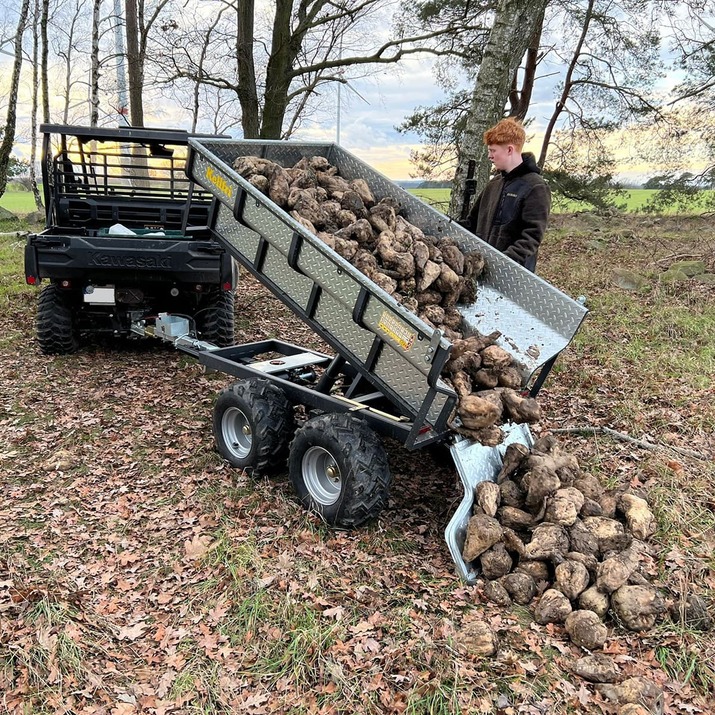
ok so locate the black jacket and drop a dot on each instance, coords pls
(512, 211)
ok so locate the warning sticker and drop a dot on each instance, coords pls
(403, 335)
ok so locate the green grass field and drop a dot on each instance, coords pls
(631, 201)
(18, 202)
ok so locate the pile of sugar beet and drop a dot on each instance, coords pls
(548, 534)
(426, 274)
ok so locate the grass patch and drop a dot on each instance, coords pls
(18, 202)
(629, 201)
(280, 606)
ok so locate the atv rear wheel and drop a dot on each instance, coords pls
(55, 323)
(253, 424)
(338, 468)
(215, 320)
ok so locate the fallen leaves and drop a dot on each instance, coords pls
(131, 633)
(197, 547)
(165, 577)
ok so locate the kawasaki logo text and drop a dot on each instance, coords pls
(98, 259)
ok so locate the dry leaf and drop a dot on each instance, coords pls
(197, 547)
(131, 633)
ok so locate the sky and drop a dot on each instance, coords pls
(370, 109)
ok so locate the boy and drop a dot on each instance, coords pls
(512, 211)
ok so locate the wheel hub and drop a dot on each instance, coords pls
(322, 476)
(237, 433)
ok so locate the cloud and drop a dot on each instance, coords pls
(371, 108)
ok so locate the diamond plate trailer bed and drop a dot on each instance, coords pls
(385, 374)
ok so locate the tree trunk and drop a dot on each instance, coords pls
(11, 118)
(43, 62)
(68, 65)
(33, 116)
(514, 24)
(520, 100)
(135, 72)
(278, 72)
(94, 66)
(247, 94)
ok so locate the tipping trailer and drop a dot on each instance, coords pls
(384, 376)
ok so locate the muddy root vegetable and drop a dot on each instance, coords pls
(637, 607)
(462, 385)
(510, 377)
(547, 541)
(488, 497)
(521, 587)
(496, 593)
(588, 560)
(521, 409)
(496, 358)
(361, 187)
(598, 668)
(572, 579)
(561, 510)
(583, 539)
(512, 542)
(637, 690)
(639, 517)
(430, 273)
(586, 630)
(477, 413)
(495, 562)
(482, 532)
(514, 456)
(553, 607)
(511, 495)
(692, 611)
(538, 570)
(477, 638)
(539, 483)
(615, 571)
(606, 531)
(594, 600)
(515, 518)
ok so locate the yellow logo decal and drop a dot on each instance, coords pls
(219, 182)
(397, 330)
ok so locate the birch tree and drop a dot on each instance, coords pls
(8, 138)
(33, 115)
(94, 65)
(44, 19)
(514, 24)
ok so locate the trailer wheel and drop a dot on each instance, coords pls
(215, 321)
(253, 424)
(338, 468)
(55, 323)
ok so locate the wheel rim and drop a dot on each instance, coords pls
(237, 432)
(321, 475)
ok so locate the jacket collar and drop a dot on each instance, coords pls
(527, 166)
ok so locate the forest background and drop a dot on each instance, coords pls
(610, 91)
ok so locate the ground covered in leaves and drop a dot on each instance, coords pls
(140, 574)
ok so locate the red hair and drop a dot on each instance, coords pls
(507, 131)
